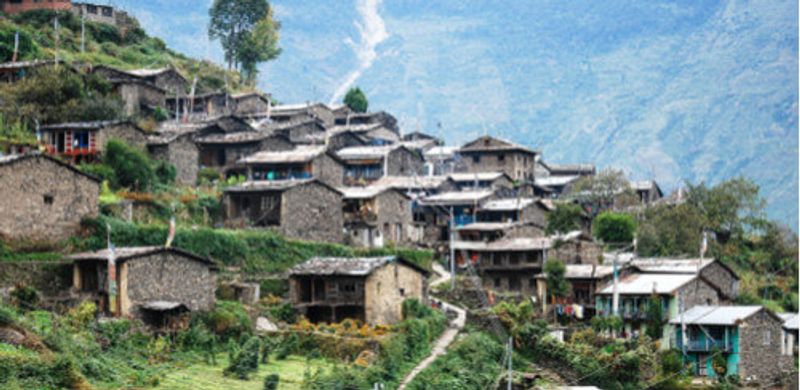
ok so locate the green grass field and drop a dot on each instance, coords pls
(207, 377)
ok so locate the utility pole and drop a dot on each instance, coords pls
(16, 47)
(83, 32)
(452, 253)
(58, 43)
(510, 351)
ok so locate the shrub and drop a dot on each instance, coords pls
(132, 168)
(208, 176)
(82, 315)
(284, 312)
(165, 173)
(613, 227)
(245, 360)
(287, 346)
(271, 382)
(7, 316)
(564, 219)
(25, 297)
(101, 171)
(228, 320)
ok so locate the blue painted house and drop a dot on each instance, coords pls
(747, 337)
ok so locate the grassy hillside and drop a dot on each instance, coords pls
(128, 47)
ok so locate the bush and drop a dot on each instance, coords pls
(228, 320)
(564, 219)
(613, 227)
(7, 316)
(208, 176)
(101, 171)
(245, 360)
(271, 382)
(284, 312)
(25, 297)
(132, 168)
(165, 173)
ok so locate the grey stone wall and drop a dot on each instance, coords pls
(275, 144)
(403, 162)
(44, 201)
(394, 210)
(125, 132)
(136, 94)
(344, 140)
(518, 165)
(183, 154)
(49, 278)
(328, 170)
(386, 289)
(722, 279)
(577, 252)
(250, 105)
(699, 292)
(312, 212)
(170, 277)
(760, 349)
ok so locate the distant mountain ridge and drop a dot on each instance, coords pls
(690, 90)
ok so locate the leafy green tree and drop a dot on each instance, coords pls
(655, 317)
(244, 360)
(260, 45)
(670, 231)
(247, 31)
(271, 382)
(609, 188)
(616, 228)
(356, 100)
(565, 218)
(132, 168)
(731, 208)
(557, 285)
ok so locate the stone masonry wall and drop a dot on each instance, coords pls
(125, 132)
(44, 201)
(721, 278)
(49, 278)
(403, 162)
(383, 296)
(312, 212)
(328, 170)
(184, 155)
(515, 164)
(170, 277)
(699, 292)
(760, 349)
(394, 210)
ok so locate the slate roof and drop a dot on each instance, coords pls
(511, 204)
(585, 271)
(14, 158)
(366, 152)
(300, 154)
(560, 169)
(234, 138)
(127, 253)
(669, 265)
(88, 125)
(348, 266)
(716, 315)
(508, 244)
(644, 284)
(367, 192)
(456, 198)
(275, 185)
(556, 181)
(480, 176)
(415, 182)
(791, 321)
(476, 146)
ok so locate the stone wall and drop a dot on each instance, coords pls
(43, 200)
(183, 154)
(518, 165)
(699, 292)
(721, 278)
(394, 217)
(343, 140)
(404, 162)
(125, 132)
(136, 94)
(169, 276)
(252, 104)
(577, 252)
(49, 278)
(328, 170)
(760, 349)
(387, 288)
(275, 144)
(313, 212)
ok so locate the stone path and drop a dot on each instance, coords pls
(447, 337)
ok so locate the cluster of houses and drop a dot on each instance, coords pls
(325, 173)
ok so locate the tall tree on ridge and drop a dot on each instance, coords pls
(247, 31)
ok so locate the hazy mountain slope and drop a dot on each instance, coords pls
(696, 90)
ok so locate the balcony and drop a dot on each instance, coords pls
(365, 217)
(705, 345)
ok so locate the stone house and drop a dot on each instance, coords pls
(648, 191)
(301, 209)
(250, 103)
(84, 141)
(346, 117)
(433, 212)
(636, 289)
(715, 272)
(44, 199)
(370, 289)
(420, 136)
(308, 131)
(11, 72)
(200, 106)
(151, 282)
(374, 216)
(225, 151)
(748, 338)
(179, 150)
(508, 265)
(168, 79)
(489, 154)
(584, 280)
(302, 162)
(576, 247)
(138, 96)
(364, 165)
(556, 186)
(101, 13)
(343, 139)
(298, 112)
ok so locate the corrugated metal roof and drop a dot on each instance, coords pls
(366, 152)
(348, 266)
(716, 315)
(556, 181)
(405, 182)
(301, 153)
(671, 265)
(480, 176)
(643, 284)
(488, 226)
(507, 244)
(267, 185)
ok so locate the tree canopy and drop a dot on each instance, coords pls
(608, 189)
(557, 285)
(356, 100)
(247, 31)
(565, 218)
(614, 228)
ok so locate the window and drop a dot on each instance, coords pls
(501, 157)
(497, 282)
(402, 292)
(347, 287)
(476, 159)
(108, 11)
(767, 337)
(92, 9)
(513, 283)
(48, 199)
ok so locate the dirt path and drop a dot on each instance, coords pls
(447, 337)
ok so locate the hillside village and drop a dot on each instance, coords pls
(363, 230)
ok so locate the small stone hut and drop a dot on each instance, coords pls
(370, 289)
(44, 199)
(151, 281)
